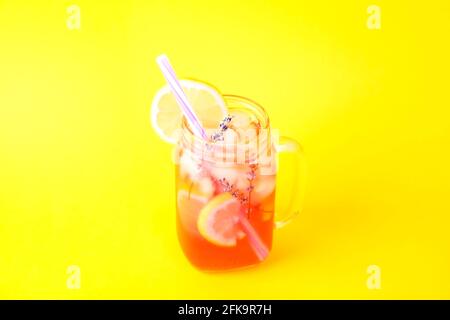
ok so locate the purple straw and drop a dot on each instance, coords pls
(258, 246)
(180, 96)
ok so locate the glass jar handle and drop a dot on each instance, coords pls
(290, 145)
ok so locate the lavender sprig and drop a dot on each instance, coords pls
(223, 126)
(231, 188)
(243, 198)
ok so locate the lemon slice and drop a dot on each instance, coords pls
(218, 221)
(166, 115)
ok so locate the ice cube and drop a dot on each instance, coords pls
(245, 126)
(228, 173)
(263, 186)
(241, 119)
(230, 137)
(242, 182)
(189, 167)
(205, 187)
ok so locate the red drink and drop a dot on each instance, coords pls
(226, 191)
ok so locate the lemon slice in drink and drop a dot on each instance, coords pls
(218, 221)
(166, 115)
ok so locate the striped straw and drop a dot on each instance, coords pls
(258, 246)
(180, 96)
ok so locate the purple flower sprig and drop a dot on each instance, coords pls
(223, 126)
(231, 188)
(243, 197)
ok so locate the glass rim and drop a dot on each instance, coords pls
(242, 103)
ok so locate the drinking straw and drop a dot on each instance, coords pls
(258, 246)
(256, 243)
(180, 96)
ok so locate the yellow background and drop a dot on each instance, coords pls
(84, 180)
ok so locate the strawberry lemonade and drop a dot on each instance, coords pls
(225, 193)
(225, 185)
(225, 171)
